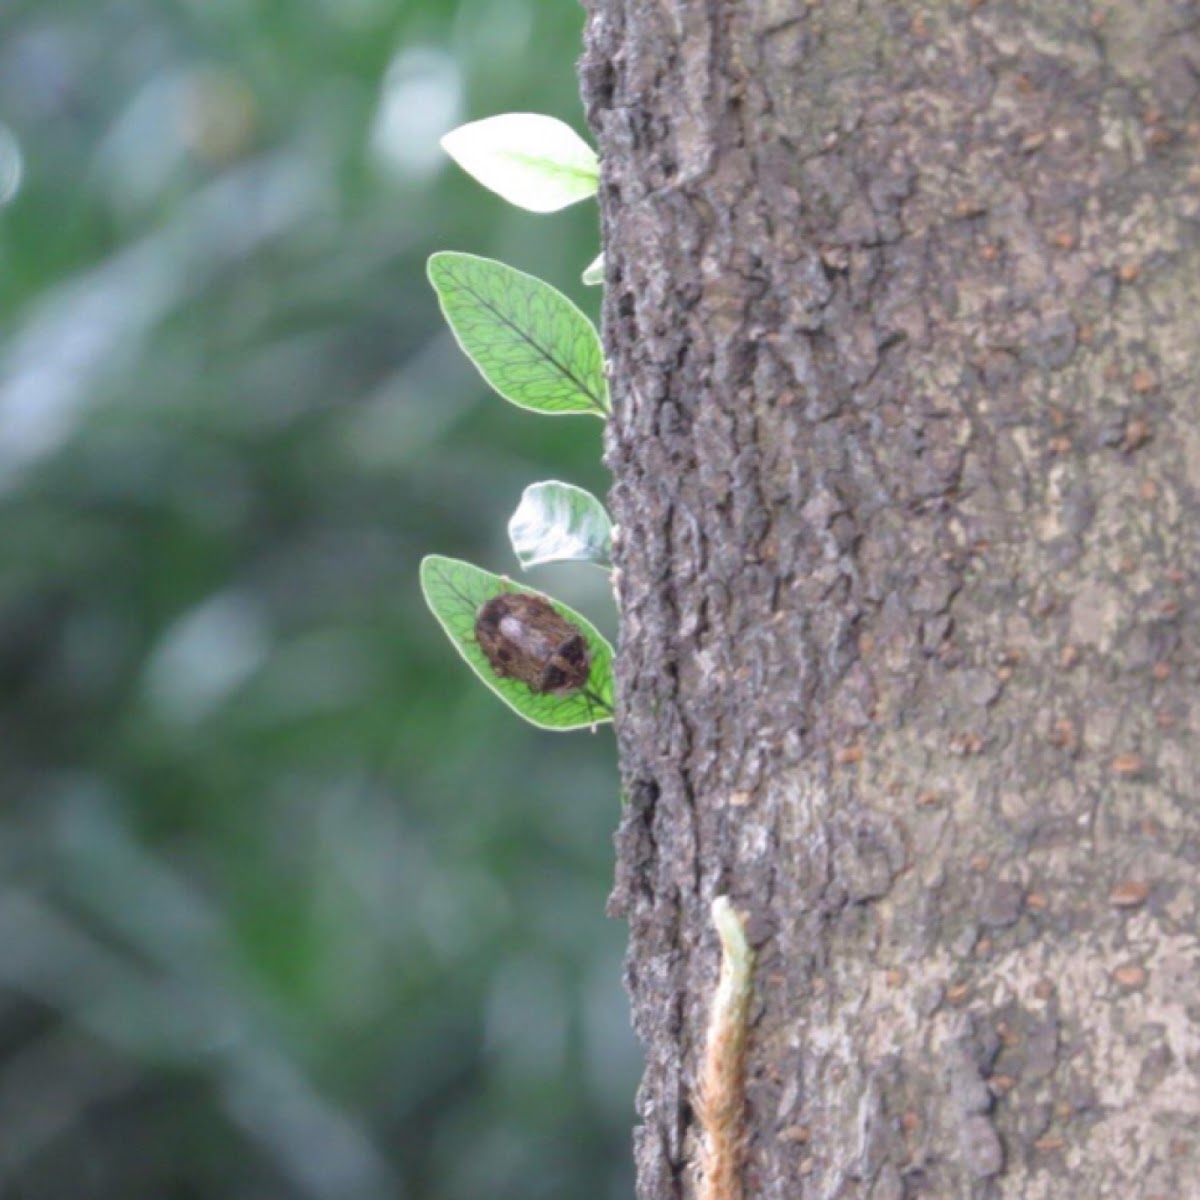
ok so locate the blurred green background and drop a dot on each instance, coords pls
(290, 906)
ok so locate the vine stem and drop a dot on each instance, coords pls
(720, 1099)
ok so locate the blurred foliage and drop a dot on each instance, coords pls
(290, 906)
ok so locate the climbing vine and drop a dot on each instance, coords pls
(538, 351)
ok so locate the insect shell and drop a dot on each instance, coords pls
(525, 637)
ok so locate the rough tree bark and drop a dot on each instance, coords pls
(903, 310)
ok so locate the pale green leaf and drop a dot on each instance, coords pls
(533, 161)
(594, 274)
(531, 343)
(558, 522)
(455, 591)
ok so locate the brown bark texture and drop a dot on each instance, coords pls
(903, 314)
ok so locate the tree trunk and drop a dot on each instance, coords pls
(903, 314)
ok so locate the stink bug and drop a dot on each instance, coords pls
(524, 637)
(545, 661)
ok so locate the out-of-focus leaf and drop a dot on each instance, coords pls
(455, 590)
(533, 161)
(559, 522)
(531, 343)
(593, 276)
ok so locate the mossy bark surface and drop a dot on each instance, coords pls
(903, 314)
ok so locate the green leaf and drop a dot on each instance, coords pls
(525, 337)
(455, 590)
(558, 522)
(535, 162)
(594, 274)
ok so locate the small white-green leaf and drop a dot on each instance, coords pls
(531, 343)
(594, 274)
(455, 591)
(558, 522)
(533, 161)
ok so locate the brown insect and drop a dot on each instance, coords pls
(525, 637)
